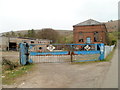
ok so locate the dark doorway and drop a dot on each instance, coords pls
(12, 46)
(96, 37)
(81, 40)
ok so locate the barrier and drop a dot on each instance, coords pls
(108, 49)
(60, 53)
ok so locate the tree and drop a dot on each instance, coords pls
(66, 39)
(112, 38)
(31, 33)
(12, 34)
(7, 34)
(19, 35)
(48, 33)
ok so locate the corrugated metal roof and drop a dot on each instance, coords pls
(88, 22)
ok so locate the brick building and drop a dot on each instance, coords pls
(89, 31)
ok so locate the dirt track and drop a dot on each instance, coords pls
(111, 80)
(67, 75)
(64, 75)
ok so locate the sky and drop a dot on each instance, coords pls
(18, 15)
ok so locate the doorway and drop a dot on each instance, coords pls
(88, 40)
(12, 46)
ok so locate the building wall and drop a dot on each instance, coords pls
(88, 31)
(36, 48)
(41, 41)
(4, 43)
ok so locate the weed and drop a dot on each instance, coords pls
(9, 76)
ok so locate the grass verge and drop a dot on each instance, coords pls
(9, 76)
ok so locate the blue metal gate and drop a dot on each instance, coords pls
(34, 53)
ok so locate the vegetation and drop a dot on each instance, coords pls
(112, 38)
(46, 33)
(19, 35)
(11, 70)
(8, 65)
(9, 76)
(53, 35)
(7, 34)
(13, 33)
(66, 39)
(10, 34)
(31, 33)
(49, 34)
(119, 35)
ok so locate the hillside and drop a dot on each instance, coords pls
(112, 26)
(61, 32)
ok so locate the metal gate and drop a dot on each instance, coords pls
(49, 53)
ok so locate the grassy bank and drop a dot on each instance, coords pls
(9, 76)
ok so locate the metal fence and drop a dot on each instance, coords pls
(49, 53)
(108, 49)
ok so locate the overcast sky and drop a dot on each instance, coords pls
(57, 14)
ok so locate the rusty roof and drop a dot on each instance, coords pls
(88, 22)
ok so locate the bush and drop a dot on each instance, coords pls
(112, 38)
(8, 65)
(113, 42)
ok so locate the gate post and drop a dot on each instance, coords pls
(102, 50)
(24, 55)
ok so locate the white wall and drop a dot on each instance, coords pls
(4, 43)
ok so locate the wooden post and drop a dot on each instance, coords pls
(71, 56)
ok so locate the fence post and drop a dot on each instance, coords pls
(102, 50)
(95, 47)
